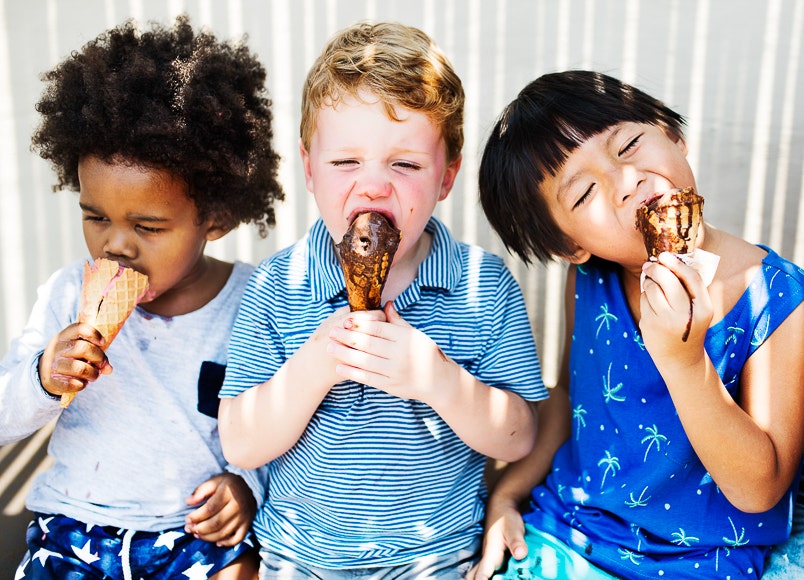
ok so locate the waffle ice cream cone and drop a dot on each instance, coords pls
(669, 222)
(366, 252)
(109, 294)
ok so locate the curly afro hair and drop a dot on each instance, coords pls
(169, 99)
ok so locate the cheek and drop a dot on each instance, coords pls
(92, 240)
(598, 214)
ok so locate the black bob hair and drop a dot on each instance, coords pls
(532, 138)
(171, 99)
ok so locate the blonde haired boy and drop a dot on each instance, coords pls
(376, 425)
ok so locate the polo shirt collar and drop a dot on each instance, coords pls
(441, 269)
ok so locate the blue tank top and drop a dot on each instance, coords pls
(627, 489)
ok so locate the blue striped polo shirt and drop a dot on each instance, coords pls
(377, 480)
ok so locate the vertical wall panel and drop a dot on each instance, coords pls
(732, 67)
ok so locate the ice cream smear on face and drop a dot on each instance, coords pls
(366, 252)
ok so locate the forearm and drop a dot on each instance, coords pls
(554, 427)
(263, 422)
(24, 405)
(739, 454)
(497, 423)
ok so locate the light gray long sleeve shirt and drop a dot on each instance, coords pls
(133, 445)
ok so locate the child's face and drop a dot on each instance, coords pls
(143, 219)
(359, 160)
(595, 195)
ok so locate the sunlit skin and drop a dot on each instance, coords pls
(593, 198)
(360, 159)
(142, 218)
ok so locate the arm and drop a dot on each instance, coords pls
(25, 405)
(266, 420)
(755, 473)
(504, 526)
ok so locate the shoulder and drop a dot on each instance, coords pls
(278, 273)
(471, 257)
(282, 260)
(64, 285)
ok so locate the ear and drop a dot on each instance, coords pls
(680, 142)
(215, 231)
(305, 158)
(579, 256)
(449, 178)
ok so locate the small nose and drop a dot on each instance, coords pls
(377, 192)
(631, 179)
(118, 243)
(374, 183)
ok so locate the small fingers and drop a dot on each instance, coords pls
(661, 284)
(90, 334)
(371, 323)
(224, 528)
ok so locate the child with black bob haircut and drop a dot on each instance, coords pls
(166, 134)
(682, 454)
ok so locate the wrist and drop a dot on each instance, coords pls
(37, 374)
(687, 375)
(500, 503)
(451, 384)
(311, 365)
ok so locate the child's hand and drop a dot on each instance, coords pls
(73, 358)
(675, 309)
(389, 355)
(319, 342)
(505, 530)
(225, 518)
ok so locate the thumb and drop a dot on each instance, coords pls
(518, 548)
(202, 492)
(392, 316)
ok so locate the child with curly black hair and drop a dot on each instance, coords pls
(166, 134)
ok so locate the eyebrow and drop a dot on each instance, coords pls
(132, 217)
(615, 132)
(565, 185)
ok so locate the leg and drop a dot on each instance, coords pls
(246, 567)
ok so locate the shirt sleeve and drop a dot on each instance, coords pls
(24, 404)
(510, 360)
(255, 349)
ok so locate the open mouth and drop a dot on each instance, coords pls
(361, 211)
(655, 199)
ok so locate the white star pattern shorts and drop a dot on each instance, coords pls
(61, 547)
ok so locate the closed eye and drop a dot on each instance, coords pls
(149, 230)
(584, 197)
(631, 144)
(408, 165)
(343, 162)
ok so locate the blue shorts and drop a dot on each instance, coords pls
(550, 559)
(453, 566)
(60, 547)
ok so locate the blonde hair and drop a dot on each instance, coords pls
(398, 64)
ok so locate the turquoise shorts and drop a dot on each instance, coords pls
(787, 561)
(550, 559)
